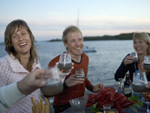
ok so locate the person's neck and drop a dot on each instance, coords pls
(24, 60)
(76, 58)
(141, 58)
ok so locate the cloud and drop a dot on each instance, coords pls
(53, 27)
(105, 22)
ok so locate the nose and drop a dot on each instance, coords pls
(77, 43)
(20, 37)
(137, 44)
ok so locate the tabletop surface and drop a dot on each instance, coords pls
(143, 109)
(126, 110)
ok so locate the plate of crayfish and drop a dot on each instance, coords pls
(108, 95)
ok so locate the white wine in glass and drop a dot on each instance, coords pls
(54, 84)
(139, 82)
(65, 62)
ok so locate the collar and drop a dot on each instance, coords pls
(17, 67)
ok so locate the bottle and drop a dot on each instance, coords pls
(137, 93)
(127, 86)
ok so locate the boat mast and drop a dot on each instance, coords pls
(78, 19)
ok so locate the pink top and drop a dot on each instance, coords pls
(11, 71)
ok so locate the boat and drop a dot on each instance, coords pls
(87, 49)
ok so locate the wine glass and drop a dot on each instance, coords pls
(65, 62)
(54, 84)
(78, 104)
(107, 108)
(116, 86)
(135, 57)
(80, 73)
(120, 80)
(147, 62)
(146, 102)
(139, 82)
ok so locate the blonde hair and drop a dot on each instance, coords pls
(10, 29)
(70, 28)
(143, 36)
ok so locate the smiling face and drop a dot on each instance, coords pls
(140, 46)
(21, 41)
(74, 44)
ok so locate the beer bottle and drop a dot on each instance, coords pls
(127, 86)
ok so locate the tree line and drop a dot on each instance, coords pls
(123, 36)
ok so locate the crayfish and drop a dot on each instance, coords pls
(109, 96)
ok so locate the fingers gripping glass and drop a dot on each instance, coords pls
(135, 57)
(80, 73)
(54, 84)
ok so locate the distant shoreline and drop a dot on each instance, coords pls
(123, 36)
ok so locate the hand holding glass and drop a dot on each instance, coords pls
(54, 84)
(80, 73)
(135, 57)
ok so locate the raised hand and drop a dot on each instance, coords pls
(32, 81)
(98, 88)
(73, 80)
(128, 60)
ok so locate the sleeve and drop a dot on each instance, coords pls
(89, 86)
(53, 62)
(121, 71)
(9, 95)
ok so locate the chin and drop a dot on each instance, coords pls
(140, 53)
(79, 54)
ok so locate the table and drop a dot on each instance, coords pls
(126, 110)
(87, 110)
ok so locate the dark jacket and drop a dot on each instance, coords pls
(122, 70)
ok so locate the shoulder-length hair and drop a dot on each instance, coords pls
(143, 36)
(10, 29)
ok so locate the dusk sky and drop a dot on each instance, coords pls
(48, 18)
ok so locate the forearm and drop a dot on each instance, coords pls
(89, 86)
(9, 95)
(121, 71)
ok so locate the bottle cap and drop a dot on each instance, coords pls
(136, 71)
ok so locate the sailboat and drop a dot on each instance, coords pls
(85, 48)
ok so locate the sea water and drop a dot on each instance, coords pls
(102, 64)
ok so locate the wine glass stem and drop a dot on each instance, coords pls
(120, 84)
(147, 108)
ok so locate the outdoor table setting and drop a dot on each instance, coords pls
(110, 99)
(89, 109)
(100, 99)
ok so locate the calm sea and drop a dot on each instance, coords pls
(102, 64)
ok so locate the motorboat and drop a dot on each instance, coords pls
(87, 49)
